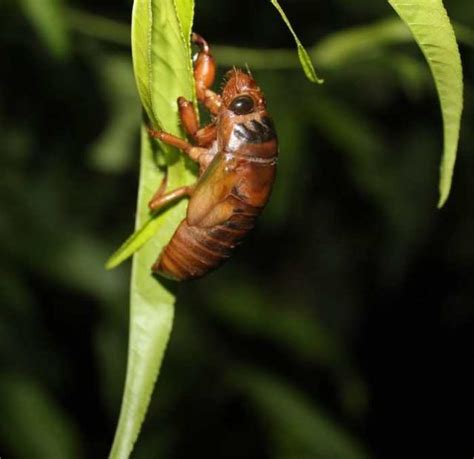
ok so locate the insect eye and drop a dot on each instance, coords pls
(242, 105)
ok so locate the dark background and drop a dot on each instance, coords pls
(342, 328)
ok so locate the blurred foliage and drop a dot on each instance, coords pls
(48, 19)
(341, 328)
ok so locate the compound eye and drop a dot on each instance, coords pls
(242, 105)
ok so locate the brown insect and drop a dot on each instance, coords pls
(237, 155)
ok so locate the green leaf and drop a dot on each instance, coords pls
(432, 30)
(134, 242)
(162, 64)
(165, 51)
(48, 18)
(303, 55)
(185, 11)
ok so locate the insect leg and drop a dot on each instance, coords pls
(204, 74)
(193, 152)
(160, 200)
(204, 136)
(188, 117)
(162, 188)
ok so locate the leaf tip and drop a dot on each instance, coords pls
(314, 78)
(111, 263)
(443, 197)
(307, 65)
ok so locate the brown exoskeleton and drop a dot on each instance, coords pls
(237, 155)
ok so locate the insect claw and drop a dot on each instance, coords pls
(154, 133)
(199, 41)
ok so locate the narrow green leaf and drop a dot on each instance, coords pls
(151, 314)
(432, 30)
(303, 55)
(162, 64)
(48, 18)
(134, 242)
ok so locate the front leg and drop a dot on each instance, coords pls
(204, 136)
(204, 74)
(203, 156)
(193, 152)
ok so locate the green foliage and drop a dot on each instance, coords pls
(162, 64)
(303, 55)
(151, 315)
(433, 32)
(163, 71)
(47, 17)
(293, 348)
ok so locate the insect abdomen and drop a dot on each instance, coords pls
(193, 251)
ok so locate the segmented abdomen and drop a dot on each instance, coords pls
(193, 251)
